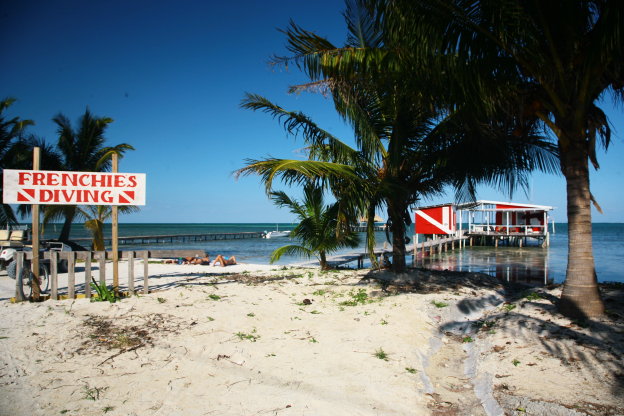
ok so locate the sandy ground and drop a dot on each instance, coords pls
(261, 340)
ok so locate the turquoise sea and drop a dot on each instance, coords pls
(530, 263)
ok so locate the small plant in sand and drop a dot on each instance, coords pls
(438, 304)
(251, 314)
(484, 325)
(319, 292)
(249, 337)
(92, 393)
(108, 409)
(104, 293)
(214, 297)
(359, 298)
(381, 354)
(509, 307)
(467, 339)
(383, 322)
(515, 362)
(533, 296)
(410, 370)
(161, 300)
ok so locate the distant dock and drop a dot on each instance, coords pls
(177, 238)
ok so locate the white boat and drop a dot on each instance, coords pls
(276, 233)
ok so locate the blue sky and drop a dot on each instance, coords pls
(172, 75)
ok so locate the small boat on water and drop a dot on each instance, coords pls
(276, 233)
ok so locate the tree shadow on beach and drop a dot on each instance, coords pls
(527, 314)
(592, 348)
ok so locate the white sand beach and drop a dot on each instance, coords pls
(265, 340)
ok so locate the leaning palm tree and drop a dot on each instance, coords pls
(553, 61)
(81, 150)
(318, 230)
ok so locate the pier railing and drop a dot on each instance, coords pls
(494, 229)
(177, 238)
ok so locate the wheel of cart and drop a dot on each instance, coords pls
(26, 276)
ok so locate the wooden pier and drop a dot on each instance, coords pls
(176, 238)
(417, 251)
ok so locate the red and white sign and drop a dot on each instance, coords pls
(435, 220)
(48, 187)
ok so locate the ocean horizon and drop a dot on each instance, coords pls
(608, 247)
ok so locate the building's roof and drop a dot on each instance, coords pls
(436, 206)
(517, 207)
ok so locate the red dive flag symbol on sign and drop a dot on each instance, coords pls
(26, 195)
(126, 197)
(73, 188)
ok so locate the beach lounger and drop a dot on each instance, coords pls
(4, 237)
(18, 235)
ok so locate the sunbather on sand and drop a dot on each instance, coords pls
(224, 261)
(197, 260)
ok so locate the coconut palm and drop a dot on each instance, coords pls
(11, 132)
(407, 147)
(82, 150)
(95, 216)
(318, 229)
(554, 60)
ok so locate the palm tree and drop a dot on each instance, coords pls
(81, 150)
(318, 229)
(407, 147)
(95, 216)
(11, 132)
(553, 61)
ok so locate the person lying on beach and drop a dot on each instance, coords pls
(224, 261)
(197, 260)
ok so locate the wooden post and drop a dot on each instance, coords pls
(145, 275)
(115, 236)
(102, 263)
(71, 275)
(88, 275)
(130, 273)
(19, 265)
(35, 233)
(54, 275)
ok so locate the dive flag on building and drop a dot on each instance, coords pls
(72, 188)
(439, 219)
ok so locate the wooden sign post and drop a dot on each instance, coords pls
(115, 233)
(36, 291)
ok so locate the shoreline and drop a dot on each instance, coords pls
(294, 341)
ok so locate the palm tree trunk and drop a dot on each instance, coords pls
(580, 297)
(323, 260)
(397, 228)
(70, 213)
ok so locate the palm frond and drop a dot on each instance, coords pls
(290, 250)
(293, 172)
